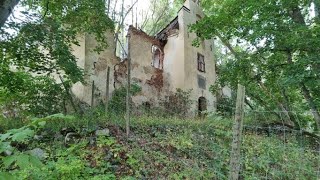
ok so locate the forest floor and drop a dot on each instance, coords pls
(158, 148)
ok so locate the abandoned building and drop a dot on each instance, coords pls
(160, 64)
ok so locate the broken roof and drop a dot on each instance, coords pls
(144, 35)
(174, 24)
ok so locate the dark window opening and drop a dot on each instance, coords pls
(202, 106)
(201, 63)
(147, 106)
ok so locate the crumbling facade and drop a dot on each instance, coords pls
(160, 64)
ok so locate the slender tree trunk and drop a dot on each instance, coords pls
(6, 8)
(114, 11)
(248, 103)
(107, 88)
(108, 7)
(128, 108)
(229, 46)
(316, 8)
(68, 94)
(287, 109)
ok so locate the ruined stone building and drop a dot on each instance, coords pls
(160, 64)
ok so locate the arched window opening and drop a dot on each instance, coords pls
(157, 57)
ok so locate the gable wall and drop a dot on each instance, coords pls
(191, 64)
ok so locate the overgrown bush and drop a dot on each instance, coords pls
(100, 157)
(177, 104)
(21, 94)
(117, 104)
(225, 105)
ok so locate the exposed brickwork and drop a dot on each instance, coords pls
(156, 80)
(120, 73)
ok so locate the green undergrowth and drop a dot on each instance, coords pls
(158, 148)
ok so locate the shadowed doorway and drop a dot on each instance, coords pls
(202, 107)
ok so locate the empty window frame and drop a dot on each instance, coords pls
(157, 57)
(201, 63)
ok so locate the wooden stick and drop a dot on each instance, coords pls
(107, 88)
(128, 89)
(237, 133)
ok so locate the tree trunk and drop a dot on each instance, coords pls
(107, 88)
(114, 11)
(6, 8)
(316, 8)
(128, 97)
(298, 18)
(312, 106)
(108, 7)
(68, 94)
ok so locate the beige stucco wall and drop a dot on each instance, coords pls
(87, 57)
(142, 71)
(191, 70)
(174, 55)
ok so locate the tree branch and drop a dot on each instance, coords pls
(6, 8)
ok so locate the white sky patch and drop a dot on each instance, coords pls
(312, 10)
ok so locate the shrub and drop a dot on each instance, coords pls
(22, 94)
(177, 104)
(117, 104)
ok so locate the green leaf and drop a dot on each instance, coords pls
(23, 161)
(23, 135)
(34, 161)
(42, 123)
(5, 146)
(4, 136)
(7, 161)
(6, 176)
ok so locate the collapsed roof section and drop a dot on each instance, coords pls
(144, 35)
(168, 30)
(162, 37)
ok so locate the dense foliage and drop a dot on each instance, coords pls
(117, 103)
(159, 14)
(40, 44)
(177, 104)
(272, 49)
(68, 147)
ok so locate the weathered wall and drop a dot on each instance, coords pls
(79, 52)
(179, 65)
(179, 70)
(149, 78)
(174, 58)
(95, 68)
(191, 68)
